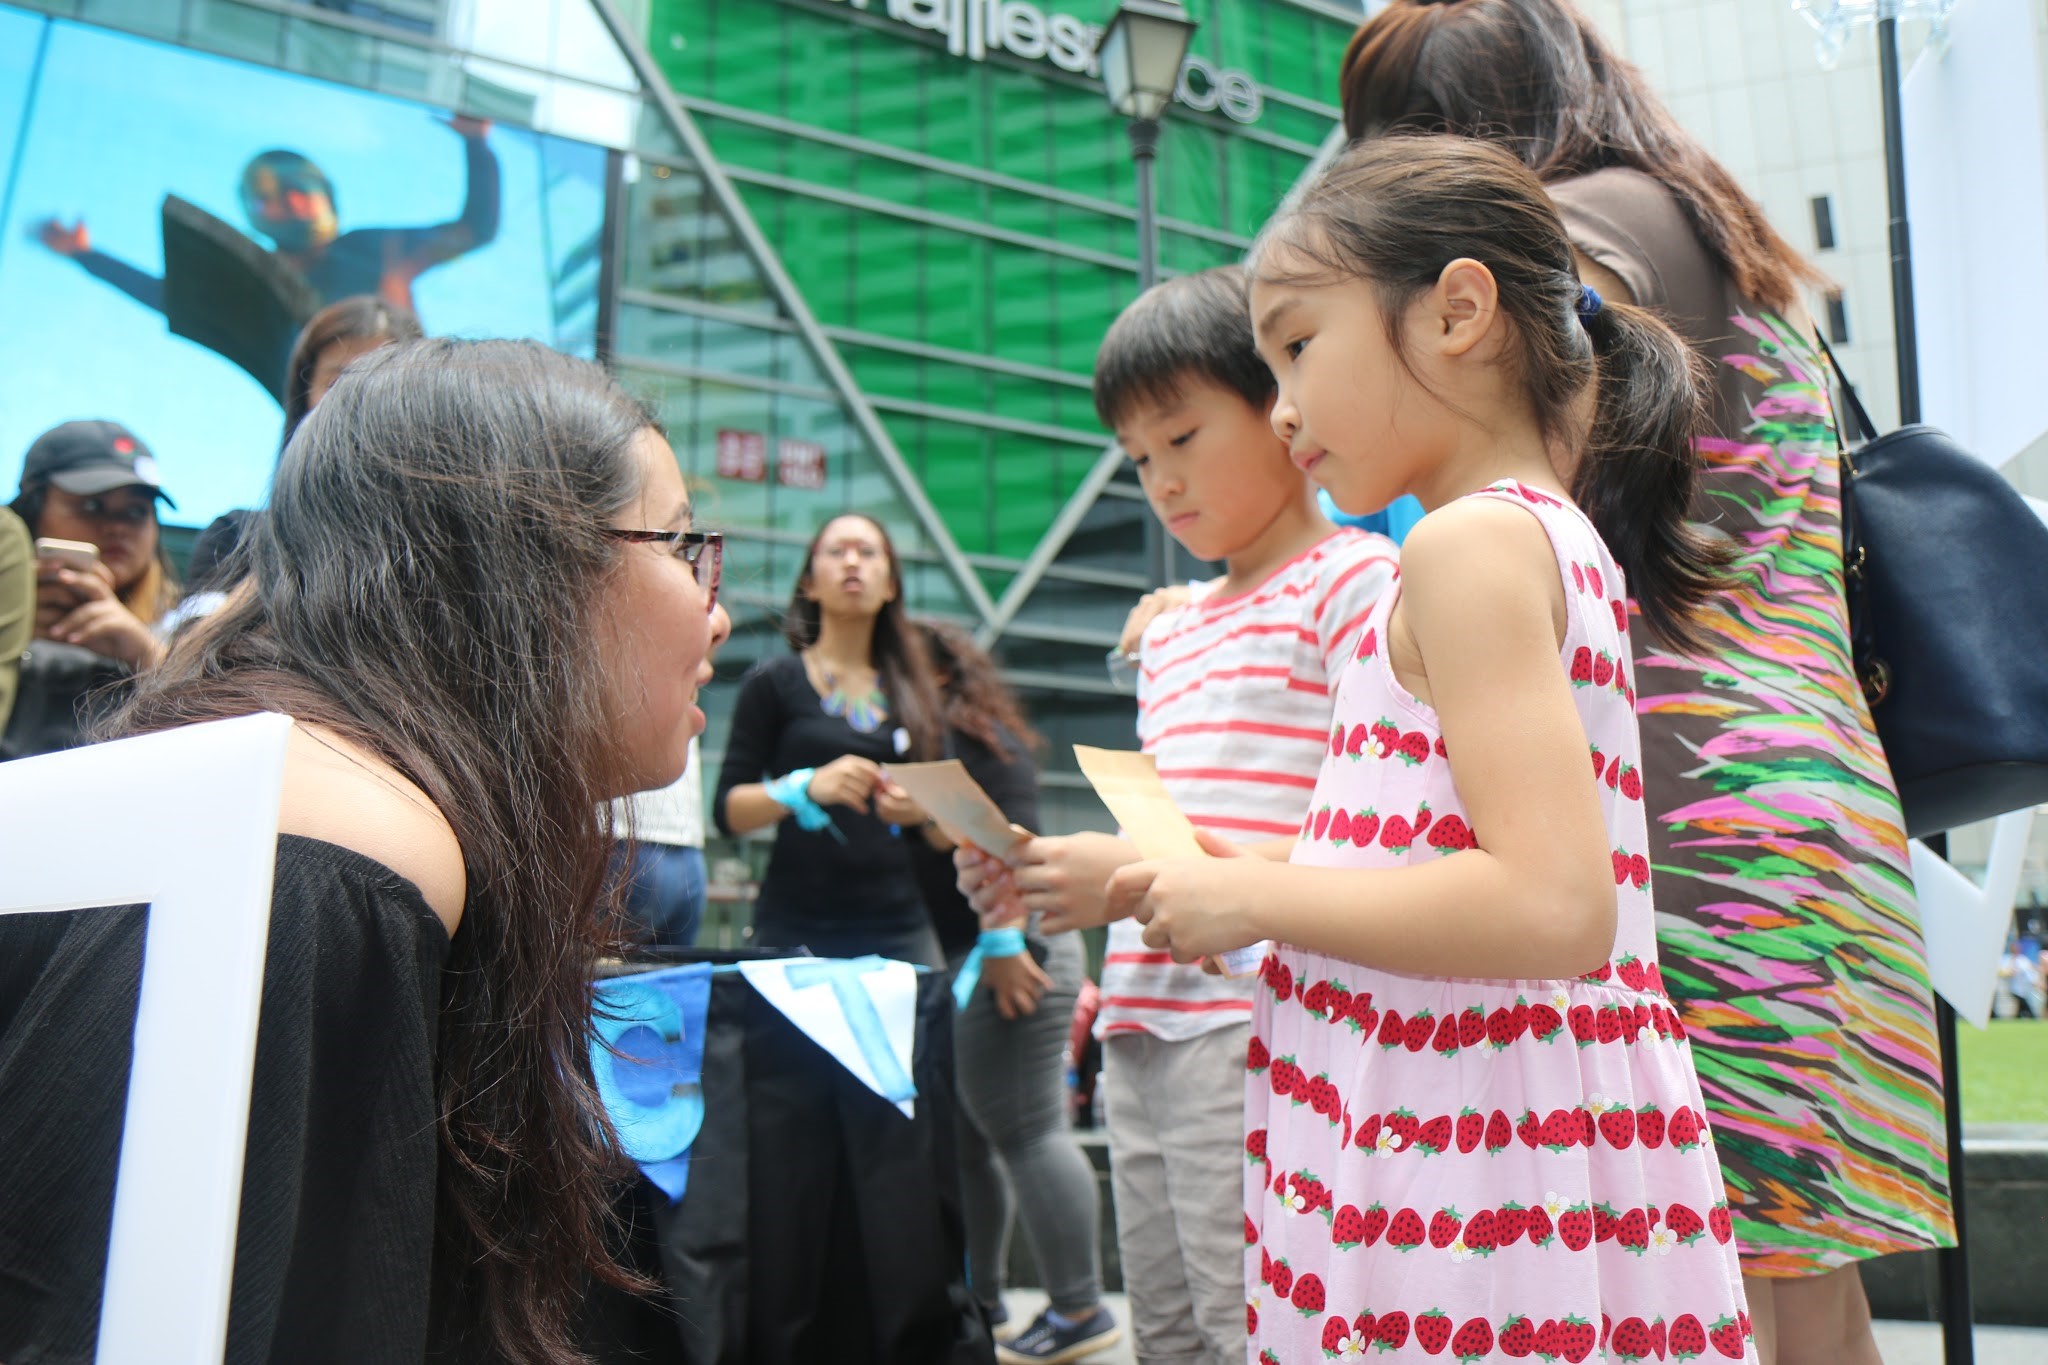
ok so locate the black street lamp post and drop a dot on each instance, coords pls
(1140, 58)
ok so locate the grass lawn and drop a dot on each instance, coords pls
(2005, 1071)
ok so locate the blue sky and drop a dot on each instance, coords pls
(116, 123)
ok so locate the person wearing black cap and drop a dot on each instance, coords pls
(95, 482)
(91, 482)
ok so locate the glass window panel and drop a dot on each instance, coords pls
(1289, 39)
(823, 90)
(885, 288)
(963, 139)
(1023, 213)
(742, 144)
(948, 194)
(1019, 129)
(656, 335)
(884, 372)
(1029, 400)
(1095, 231)
(956, 386)
(888, 76)
(152, 17)
(954, 463)
(330, 53)
(1026, 485)
(890, 181)
(1191, 169)
(684, 50)
(1091, 150)
(724, 407)
(403, 69)
(956, 293)
(665, 230)
(1076, 409)
(1086, 299)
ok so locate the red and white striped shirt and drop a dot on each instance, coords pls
(1234, 698)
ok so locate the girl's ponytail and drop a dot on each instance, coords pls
(1638, 471)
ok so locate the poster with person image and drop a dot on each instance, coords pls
(169, 220)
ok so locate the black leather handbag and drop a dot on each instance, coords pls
(1947, 575)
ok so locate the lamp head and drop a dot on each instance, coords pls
(1141, 54)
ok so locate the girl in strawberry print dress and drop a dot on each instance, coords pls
(1473, 1128)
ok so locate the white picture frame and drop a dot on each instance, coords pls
(195, 838)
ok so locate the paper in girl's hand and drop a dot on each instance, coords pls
(959, 805)
(1243, 961)
(1129, 785)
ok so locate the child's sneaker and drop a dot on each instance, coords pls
(1048, 1342)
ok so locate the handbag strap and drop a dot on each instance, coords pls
(1864, 426)
(1872, 674)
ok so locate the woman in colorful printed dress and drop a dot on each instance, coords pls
(1786, 922)
(1473, 1123)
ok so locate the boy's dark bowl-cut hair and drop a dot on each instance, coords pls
(1195, 327)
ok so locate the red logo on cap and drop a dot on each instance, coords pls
(122, 445)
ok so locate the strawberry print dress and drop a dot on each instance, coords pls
(1481, 1170)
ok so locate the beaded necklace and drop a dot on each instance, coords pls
(864, 711)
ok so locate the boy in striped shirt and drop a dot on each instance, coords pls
(1234, 704)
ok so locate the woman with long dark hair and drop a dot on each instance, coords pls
(1017, 1153)
(344, 331)
(1786, 924)
(812, 731)
(477, 589)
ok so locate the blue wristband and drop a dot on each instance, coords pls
(793, 791)
(992, 943)
(1001, 942)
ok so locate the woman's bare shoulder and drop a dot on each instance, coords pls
(340, 793)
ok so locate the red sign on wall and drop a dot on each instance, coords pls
(743, 455)
(799, 464)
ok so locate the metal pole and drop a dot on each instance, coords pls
(1952, 1264)
(1904, 336)
(1144, 148)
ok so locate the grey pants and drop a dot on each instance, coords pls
(1017, 1150)
(1176, 1149)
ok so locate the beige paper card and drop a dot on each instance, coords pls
(1129, 785)
(959, 805)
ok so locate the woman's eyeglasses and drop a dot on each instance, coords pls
(127, 512)
(703, 551)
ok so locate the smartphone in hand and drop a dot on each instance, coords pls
(80, 555)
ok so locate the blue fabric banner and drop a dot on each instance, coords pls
(647, 1052)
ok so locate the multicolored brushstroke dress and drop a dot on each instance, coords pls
(1787, 928)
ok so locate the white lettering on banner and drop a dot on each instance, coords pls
(799, 464)
(975, 28)
(742, 455)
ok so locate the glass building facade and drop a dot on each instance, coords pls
(860, 255)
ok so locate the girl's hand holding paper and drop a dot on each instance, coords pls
(1193, 907)
(990, 890)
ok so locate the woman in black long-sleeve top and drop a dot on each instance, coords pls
(856, 694)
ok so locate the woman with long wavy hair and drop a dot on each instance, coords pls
(1786, 925)
(477, 590)
(812, 733)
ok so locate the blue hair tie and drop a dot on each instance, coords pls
(1590, 303)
